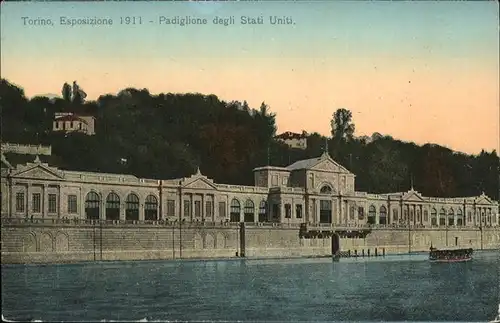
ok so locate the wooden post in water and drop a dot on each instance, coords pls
(100, 238)
(93, 224)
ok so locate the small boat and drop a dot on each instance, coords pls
(450, 255)
(497, 319)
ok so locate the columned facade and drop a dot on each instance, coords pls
(315, 191)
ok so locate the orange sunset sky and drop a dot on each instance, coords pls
(418, 71)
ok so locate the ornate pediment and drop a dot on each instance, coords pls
(199, 181)
(330, 165)
(412, 196)
(483, 199)
(38, 171)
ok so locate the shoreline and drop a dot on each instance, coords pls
(232, 259)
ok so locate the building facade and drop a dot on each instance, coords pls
(69, 122)
(294, 140)
(315, 191)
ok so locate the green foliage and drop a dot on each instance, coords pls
(170, 135)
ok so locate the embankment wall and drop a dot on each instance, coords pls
(58, 243)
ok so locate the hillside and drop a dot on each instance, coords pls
(170, 135)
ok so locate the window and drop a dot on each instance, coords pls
(20, 202)
(451, 217)
(382, 215)
(326, 190)
(298, 211)
(151, 208)
(434, 217)
(72, 208)
(235, 211)
(275, 180)
(208, 209)
(249, 211)
(361, 213)
(288, 211)
(52, 203)
(442, 217)
(263, 211)
(222, 209)
(170, 207)
(285, 180)
(197, 209)
(187, 208)
(131, 209)
(394, 215)
(372, 212)
(426, 216)
(35, 207)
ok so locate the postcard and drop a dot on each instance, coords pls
(250, 161)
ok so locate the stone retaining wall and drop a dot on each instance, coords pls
(35, 243)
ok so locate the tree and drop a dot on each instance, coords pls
(170, 135)
(66, 92)
(342, 128)
(78, 94)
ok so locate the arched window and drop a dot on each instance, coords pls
(326, 190)
(451, 217)
(442, 217)
(235, 211)
(249, 211)
(460, 218)
(434, 220)
(383, 215)
(112, 207)
(151, 208)
(92, 206)
(132, 208)
(372, 212)
(263, 211)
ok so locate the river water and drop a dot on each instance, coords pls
(391, 288)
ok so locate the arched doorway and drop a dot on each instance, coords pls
(151, 208)
(325, 211)
(132, 208)
(92, 206)
(335, 244)
(112, 207)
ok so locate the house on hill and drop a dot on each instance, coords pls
(70, 122)
(294, 140)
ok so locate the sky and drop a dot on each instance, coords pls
(418, 71)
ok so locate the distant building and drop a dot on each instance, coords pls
(294, 140)
(70, 122)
